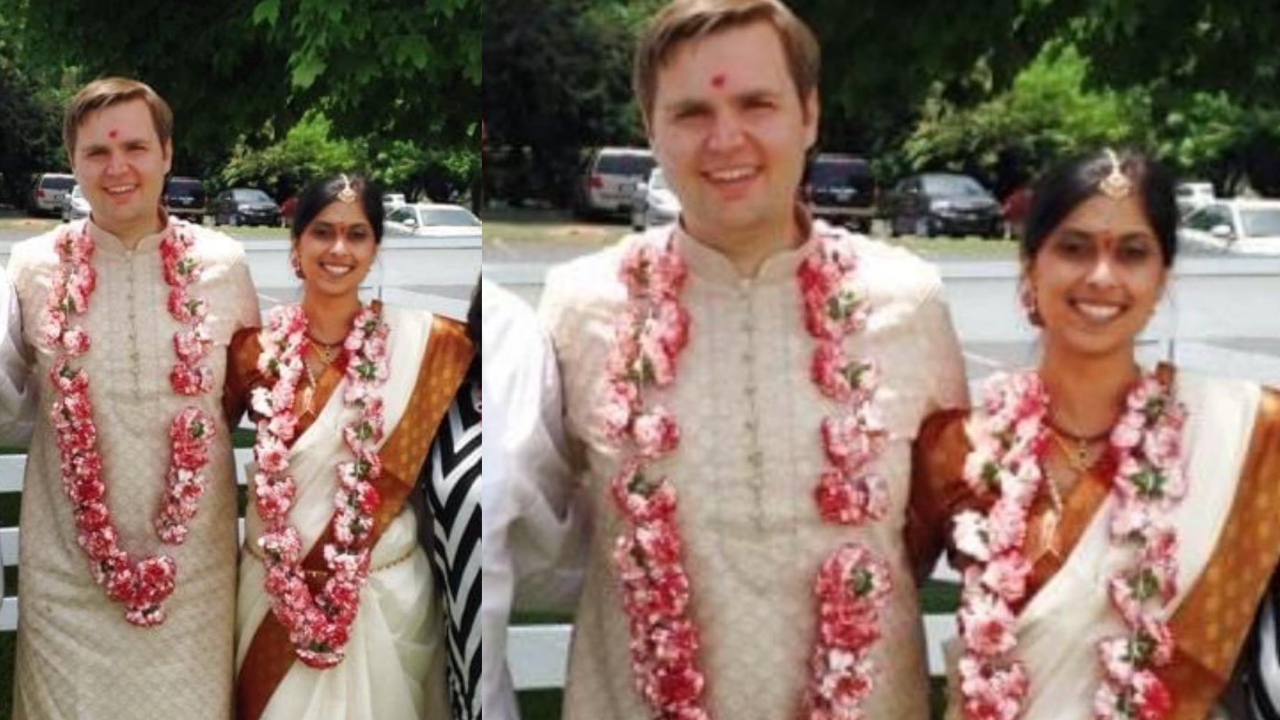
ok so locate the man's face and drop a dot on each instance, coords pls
(731, 132)
(120, 164)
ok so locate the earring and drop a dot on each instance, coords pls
(1029, 305)
(297, 265)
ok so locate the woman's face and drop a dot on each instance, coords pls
(1097, 278)
(336, 249)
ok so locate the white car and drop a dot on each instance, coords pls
(1192, 196)
(432, 220)
(1249, 227)
(74, 205)
(609, 179)
(654, 203)
(391, 201)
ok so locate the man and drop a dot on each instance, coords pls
(129, 505)
(746, 469)
(528, 525)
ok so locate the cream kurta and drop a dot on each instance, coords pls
(394, 667)
(749, 458)
(77, 657)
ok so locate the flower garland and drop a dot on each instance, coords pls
(141, 585)
(1009, 446)
(319, 625)
(852, 585)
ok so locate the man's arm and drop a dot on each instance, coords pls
(17, 392)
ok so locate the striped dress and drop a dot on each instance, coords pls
(448, 501)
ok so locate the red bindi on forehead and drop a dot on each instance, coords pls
(113, 133)
(718, 80)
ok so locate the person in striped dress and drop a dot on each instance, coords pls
(447, 499)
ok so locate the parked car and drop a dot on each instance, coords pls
(1245, 226)
(932, 204)
(48, 193)
(1192, 196)
(841, 189)
(245, 206)
(391, 201)
(654, 203)
(75, 205)
(432, 220)
(185, 197)
(608, 180)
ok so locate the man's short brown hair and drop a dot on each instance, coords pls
(105, 92)
(684, 20)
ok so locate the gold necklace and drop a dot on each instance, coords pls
(328, 351)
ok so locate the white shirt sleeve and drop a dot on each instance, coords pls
(532, 539)
(17, 392)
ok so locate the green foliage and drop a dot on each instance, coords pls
(307, 151)
(1049, 112)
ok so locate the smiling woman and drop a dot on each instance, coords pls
(1104, 514)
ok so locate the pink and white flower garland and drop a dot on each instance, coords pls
(852, 585)
(1009, 446)
(141, 584)
(319, 625)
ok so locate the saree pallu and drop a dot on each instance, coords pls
(394, 664)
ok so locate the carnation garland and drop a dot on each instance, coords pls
(319, 625)
(852, 585)
(1009, 446)
(142, 585)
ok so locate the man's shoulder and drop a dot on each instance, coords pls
(894, 271)
(593, 276)
(215, 246)
(39, 250)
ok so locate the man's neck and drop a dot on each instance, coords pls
(748, 249)
(131, 234)
(328, 317)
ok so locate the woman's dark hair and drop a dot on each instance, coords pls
(317, 196)
(1074, 181)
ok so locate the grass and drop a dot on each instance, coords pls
(519, 226)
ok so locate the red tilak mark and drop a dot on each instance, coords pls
(717, 81)
(112, 134)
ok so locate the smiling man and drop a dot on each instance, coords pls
(129, 503)
(741, 390)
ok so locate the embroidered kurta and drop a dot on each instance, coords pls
(77, 657)
(1228, 545)
(394, 667)
(749, 459)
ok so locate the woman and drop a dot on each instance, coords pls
(447, 500)
(338, 615)
(1114, 524)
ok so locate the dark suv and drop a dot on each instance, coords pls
(943, 204)
(841, 189)
(184, 197)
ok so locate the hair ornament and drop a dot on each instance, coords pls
(347, 194)
(1116, 185)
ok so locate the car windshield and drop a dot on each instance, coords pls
(1260, 222)
(189, 187)
(251, 196)
(55, 182)
(628, 164)
(450, 216)
(837, 172)
(952, 186)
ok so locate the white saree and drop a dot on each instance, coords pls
(1060, 627)
(394, 664)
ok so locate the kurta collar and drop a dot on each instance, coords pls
(709, 264)
(106, 242)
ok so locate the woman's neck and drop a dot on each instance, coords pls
(1087, 393)
(329, 317)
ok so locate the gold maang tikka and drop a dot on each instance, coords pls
(347, 194)
(1116, 185)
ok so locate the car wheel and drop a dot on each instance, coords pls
(922, 228)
